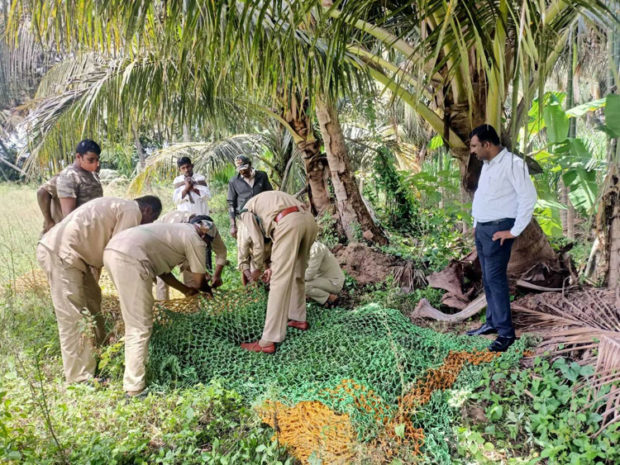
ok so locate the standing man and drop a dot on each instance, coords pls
(292, 230)
(191, 193)
(66, 252)
(134, 258)
(502, 208)
(324, 278)
(242, 187)
(72, 187)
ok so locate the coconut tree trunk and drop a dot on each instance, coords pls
(351, 208)
(314, 164)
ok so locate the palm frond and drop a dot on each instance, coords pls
(208, 158)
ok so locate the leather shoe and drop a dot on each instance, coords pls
(301, 325)
(501, 344)
(256, 347)
(484, 329)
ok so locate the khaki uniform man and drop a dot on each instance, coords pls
(292, 230)
(134, 258)
(66, 253)
(216, 243)
(324, 278)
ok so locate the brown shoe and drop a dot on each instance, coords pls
(256, 347)
(301, 325)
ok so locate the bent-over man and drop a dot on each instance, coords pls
(215, 243)
(134, 258)
(66, 252)
(324, 278)
(502, 208)
(292, 230)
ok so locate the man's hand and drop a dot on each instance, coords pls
(233, 231)
(267, 276)
(255, 275)
(502, 236)
(190, 292)
(246, 277)
(217, 282)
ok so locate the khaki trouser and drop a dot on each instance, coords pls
(319, 288)
(77, 299)
(293, 237)
(134, 285)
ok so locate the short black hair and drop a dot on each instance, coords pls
(183, 161)
(151, 201)
(86, 146)
(486, 133)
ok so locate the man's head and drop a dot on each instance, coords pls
(243, 166)
(185, 166)
(87, 155)
(484, 142)
(204, 226)
(150, 207)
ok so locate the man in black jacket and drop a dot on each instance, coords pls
(242, 187)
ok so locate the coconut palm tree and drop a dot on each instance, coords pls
(198, 51)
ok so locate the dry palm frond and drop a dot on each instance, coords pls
(586, 326)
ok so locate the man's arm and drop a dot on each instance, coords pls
(219, 248)
(67, 205)
(232, 206)
(258, 242)
(45, 204)
(171, 281)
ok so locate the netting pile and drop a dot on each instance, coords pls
(357, 376)
(354, 376)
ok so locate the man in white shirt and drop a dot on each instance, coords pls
(502, 208)
(191, 192)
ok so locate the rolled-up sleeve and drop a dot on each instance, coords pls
(219, 248)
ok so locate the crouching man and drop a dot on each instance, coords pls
(134, 258)
(324, 278)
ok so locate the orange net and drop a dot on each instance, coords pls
(312, 427)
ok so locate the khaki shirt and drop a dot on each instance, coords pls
(50, 187)
(79, 239)
(175, 216)
(264, 207)
(79, 184)
(217, 243)
(161, 246)
(323, 264)
(245, 258)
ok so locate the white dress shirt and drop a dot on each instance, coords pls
(192, 202)
(505, 190)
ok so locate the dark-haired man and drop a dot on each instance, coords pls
(66, 252)
(191, 193)
(72, 187)
(502, 208)
(134, 258)
(242, 187)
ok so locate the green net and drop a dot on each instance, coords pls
(373, 350)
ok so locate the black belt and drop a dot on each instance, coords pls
(487, 223)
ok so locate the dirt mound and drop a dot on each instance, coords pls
(368, 266)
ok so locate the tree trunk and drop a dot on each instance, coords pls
(140, 150)
(351, 208)
(314, 164)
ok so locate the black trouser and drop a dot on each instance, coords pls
(494, 262)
